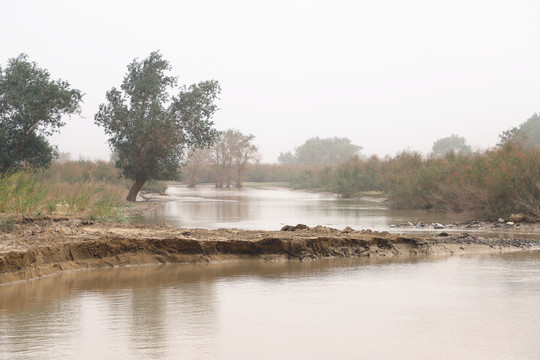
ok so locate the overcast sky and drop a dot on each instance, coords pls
(388, 74)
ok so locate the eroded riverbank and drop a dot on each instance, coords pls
(37, 247)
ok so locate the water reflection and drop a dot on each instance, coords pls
(480, 307)
(271, 208)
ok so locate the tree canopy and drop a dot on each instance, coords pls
(526, 134)
(149, 130)
(317, 151)
(31, 108)
(452, 143)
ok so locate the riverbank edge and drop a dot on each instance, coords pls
(46, 247)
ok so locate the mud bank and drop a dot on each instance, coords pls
(37, 247)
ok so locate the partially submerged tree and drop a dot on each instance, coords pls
(149, 130)
(453, 143)
(31, 108)
(195, 164)
(242, 151)
(232, 151)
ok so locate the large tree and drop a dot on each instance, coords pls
(452, 143)
(151, 131)
(31, 108)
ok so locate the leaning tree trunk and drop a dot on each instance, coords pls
(132, 196)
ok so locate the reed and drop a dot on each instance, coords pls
(23, 194)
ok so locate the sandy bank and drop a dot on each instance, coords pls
(36, 247)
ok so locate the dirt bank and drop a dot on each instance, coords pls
(35, 247)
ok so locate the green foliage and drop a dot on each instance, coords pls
(492, 184)
(526, 135)
(31, 108)
(452, 143)
(286, 158)
(317, 151)
(20, 194)
(155, 187)
(149, 130)
(28, 194)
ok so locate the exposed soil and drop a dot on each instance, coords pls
(39, 246)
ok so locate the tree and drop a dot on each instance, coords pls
(527, 134)
(31, 108)
(242, 150)
(452, 143)
(149, 130)
(286, 158)
(222, 160)
(194, 166)
(317, 151)
(232, 151)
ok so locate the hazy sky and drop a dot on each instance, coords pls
(388, 74)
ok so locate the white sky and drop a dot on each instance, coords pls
(388, 74)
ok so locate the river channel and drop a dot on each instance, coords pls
(270, 208)
(455, 307)
(475, 307)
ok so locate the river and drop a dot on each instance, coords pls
(475, 307)
(272, 207)
(456, 307)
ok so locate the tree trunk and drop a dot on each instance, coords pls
(132, 196)
(238, 179)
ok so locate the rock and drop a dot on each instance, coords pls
(517, 217)
(443, 234)
(501, 220)
(294, 228)
(348, 229)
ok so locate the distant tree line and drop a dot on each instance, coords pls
(496, 182)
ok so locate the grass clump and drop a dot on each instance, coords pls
(24, 194)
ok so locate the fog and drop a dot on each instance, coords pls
(390, 75)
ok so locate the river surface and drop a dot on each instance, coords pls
(457, 307)
(467, 307)
(270, 208)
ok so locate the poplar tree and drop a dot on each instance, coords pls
(31, 108)
(149, 130)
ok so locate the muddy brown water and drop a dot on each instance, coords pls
(470, 307)
(271, 208)
(457, 307)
